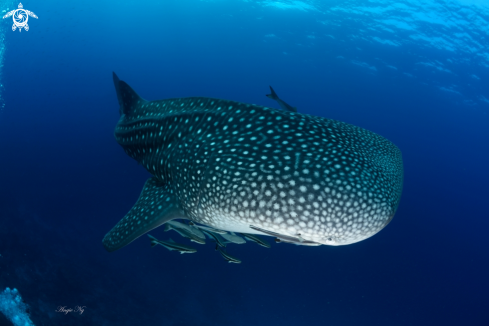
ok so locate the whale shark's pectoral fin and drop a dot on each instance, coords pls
(156, 205)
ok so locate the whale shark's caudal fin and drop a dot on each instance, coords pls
(127, 97)
(280, 102)
(156, 205)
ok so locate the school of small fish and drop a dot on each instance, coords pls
(197, 233)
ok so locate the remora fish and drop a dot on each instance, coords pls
(207, 228)
(195, 231)
(256, 239)
(184, 233)
(280, 102)
(217, 238)
(227, 256)
(172, 245)
(230, 237)
(252, 169)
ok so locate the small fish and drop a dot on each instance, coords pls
(217, 238)
(172, 245)
(228, 257)
(196, 231)
(298, 240)
(282, 104)
(184, 233)
(206, 228)
(298, 243)
(231, 237)
(190, 228)
(256, 239)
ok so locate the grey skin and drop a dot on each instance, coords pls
(250, 169)
(172, 245)
(280, 102)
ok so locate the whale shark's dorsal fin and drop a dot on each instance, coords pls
(280, 102)
(156, 205)
(127, 97)
(273, 95)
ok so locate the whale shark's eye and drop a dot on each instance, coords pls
(330, 239)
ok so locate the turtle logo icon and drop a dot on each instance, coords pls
(20, 17)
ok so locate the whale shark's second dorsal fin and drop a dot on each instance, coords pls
(280, 102)
(272, 95)
(127, 97)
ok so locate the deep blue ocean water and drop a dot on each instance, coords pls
(415, 72)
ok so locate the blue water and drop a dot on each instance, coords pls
(415, 72)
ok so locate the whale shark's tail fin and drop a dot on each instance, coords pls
(127, 97)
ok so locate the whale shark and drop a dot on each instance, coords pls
(256, 170)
